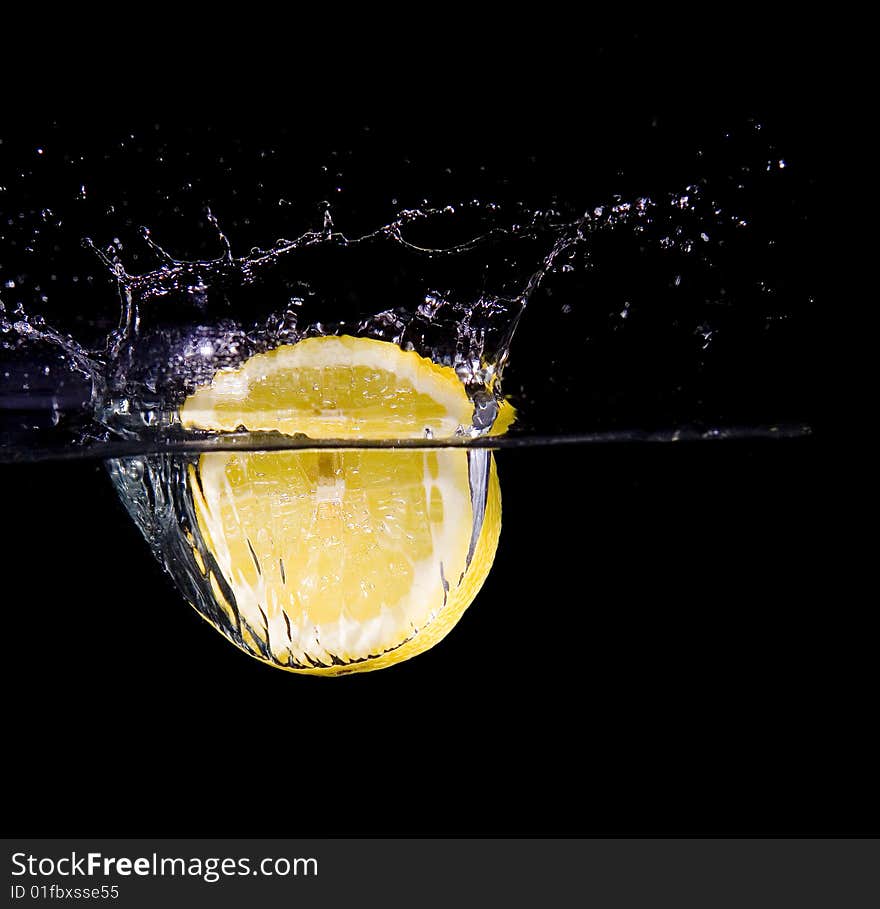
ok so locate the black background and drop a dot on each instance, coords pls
(667, 642)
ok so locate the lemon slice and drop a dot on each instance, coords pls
(337, 388)
(341, 560)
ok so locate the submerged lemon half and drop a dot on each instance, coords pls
(341, 560)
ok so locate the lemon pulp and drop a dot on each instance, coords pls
(340, 560)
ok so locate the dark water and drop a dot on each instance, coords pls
(695, 647)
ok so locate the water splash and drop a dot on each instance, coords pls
(459, 283)
(168, 341)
